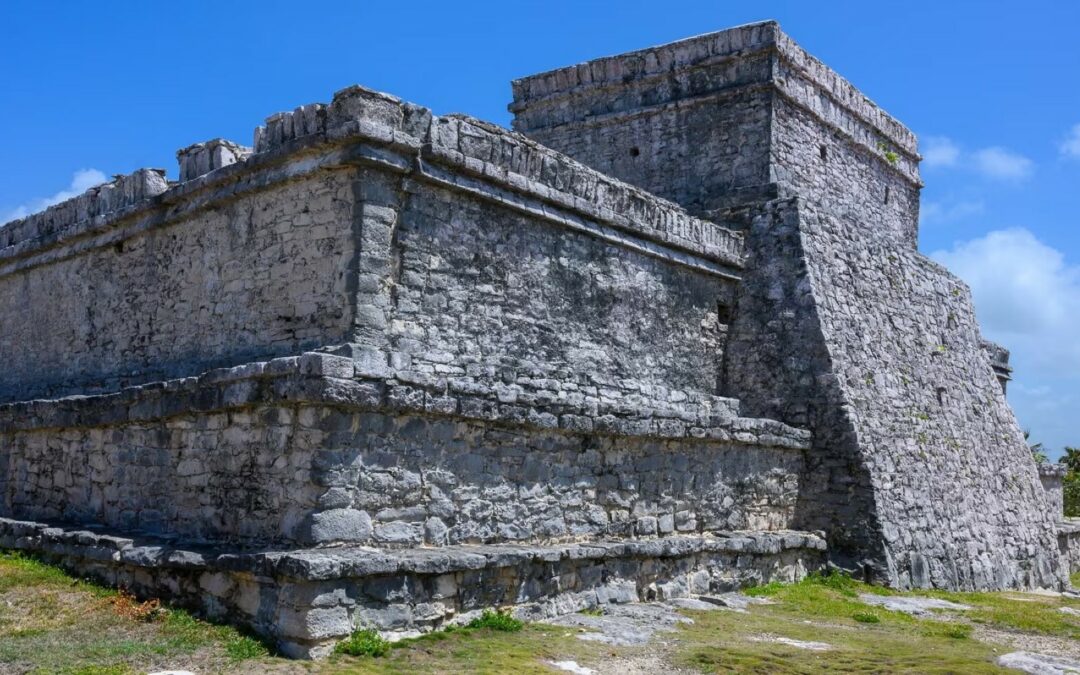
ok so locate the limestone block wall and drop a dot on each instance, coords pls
(855, 180)
(486, 293)
(313, 450)
(911, 427)
(831, 144)
(153, 297)
(918, 470)
(305, 601)
(729, 118)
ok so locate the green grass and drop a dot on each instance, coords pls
(480, 650)
(1016, 612)
(826, 608)
(367, 641)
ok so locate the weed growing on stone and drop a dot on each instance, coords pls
(364, 642)
(891, 156)
(494, 620)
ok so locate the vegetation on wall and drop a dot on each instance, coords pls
(1071, 483)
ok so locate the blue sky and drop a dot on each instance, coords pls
(992, 89)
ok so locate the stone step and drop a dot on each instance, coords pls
(306, 599)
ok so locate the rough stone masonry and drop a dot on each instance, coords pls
(386, 368)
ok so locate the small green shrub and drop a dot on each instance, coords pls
(592, 611)
(866, 617)
(891, 156)
(365, 642)
(497, 621)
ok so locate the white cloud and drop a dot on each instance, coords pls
(998, 162)
(993, 162)
(1070, 147)
(1026, 295)
(1049, 411)
(81, 181)
(947, 212)
(939, 151)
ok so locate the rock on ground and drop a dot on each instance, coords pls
(914, 606)
(1038, 664)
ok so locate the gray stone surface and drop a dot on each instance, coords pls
(1052, 477)
(736, 601)
(913, 605)
(1038, 664)
(899, 394)
(798, 644)
(624, 625)
(729, 118)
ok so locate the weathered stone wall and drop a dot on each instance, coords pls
(780, 362)
(903, 365)
(262, 275)
(821, 163)
(1069, 544)
(486, 293)
(300, 451)
(729, 118)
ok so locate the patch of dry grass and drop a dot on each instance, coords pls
(51, 622)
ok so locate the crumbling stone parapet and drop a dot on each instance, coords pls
(202, 158)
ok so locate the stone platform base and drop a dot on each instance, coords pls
(304, 600)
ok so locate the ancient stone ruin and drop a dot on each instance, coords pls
(670, 336)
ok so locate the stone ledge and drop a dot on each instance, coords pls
(305, 600)
(371, 384)
(332, 562)
(1052, 470)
